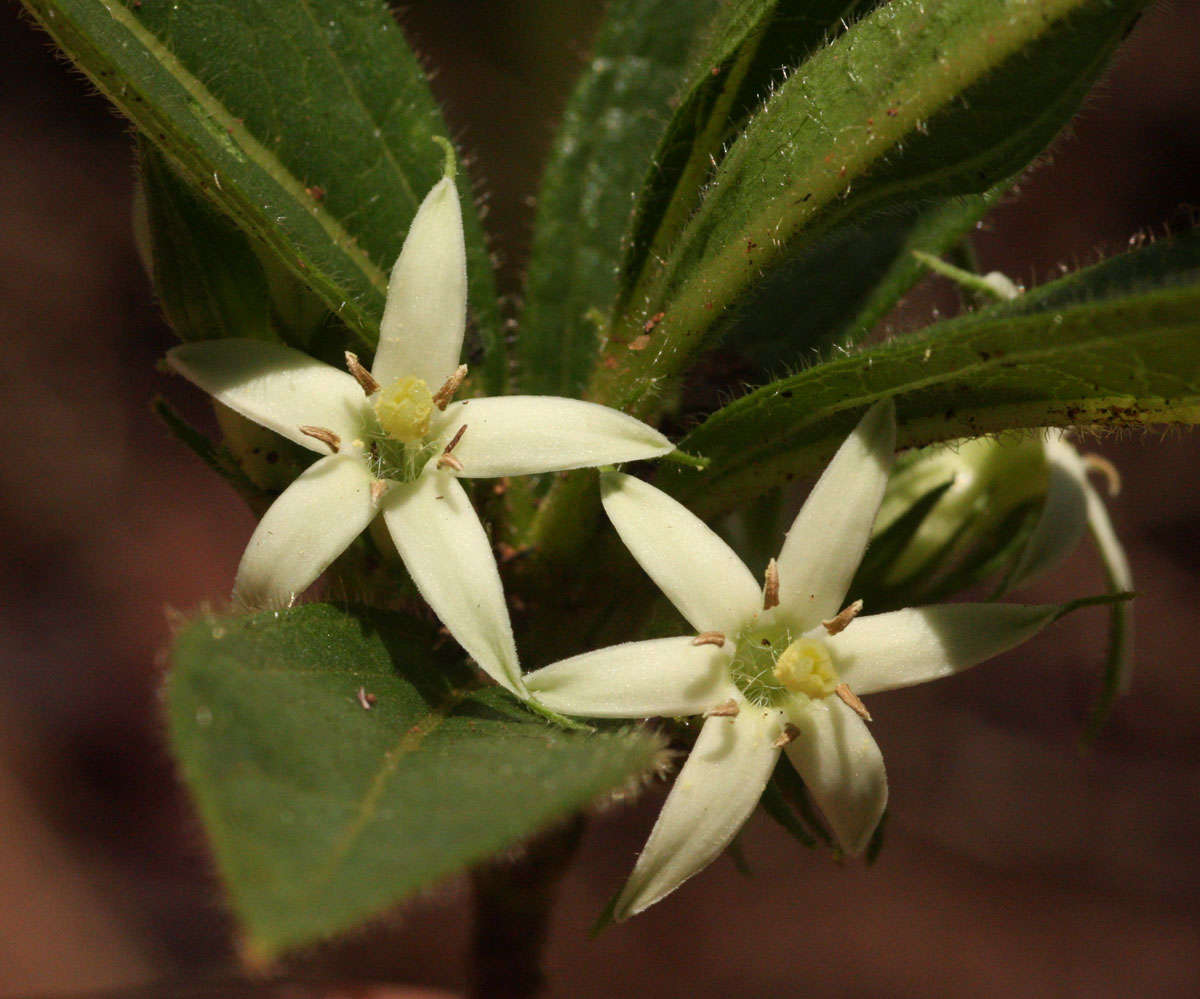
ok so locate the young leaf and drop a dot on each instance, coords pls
(1116, 345)
(310, 124)
(922, 99)
(601, 152)
(339, 765)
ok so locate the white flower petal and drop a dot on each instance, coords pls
(904, 647)
(829, 535)
(525, 434)
(1120, 579)
(1063, 517)
(669, 677)
(277, 387)
(842, 768)
(307, 527)
(438, 535)
(713, 796)
(426, 312)
(697, 571)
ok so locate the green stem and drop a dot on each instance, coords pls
(513, 900)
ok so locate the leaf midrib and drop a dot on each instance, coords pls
(407, 744)
(250, 146)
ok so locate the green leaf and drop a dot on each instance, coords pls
(838, 287)
(209, 280)
(748, 50)
(310, 124)
(321, 812)
(922, 99)
(601, 153)
(1112, 346)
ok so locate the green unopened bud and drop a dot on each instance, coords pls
(953, 511)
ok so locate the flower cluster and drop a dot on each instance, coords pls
(771, 669)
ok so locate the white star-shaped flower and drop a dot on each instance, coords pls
(393, 443)
(773, 669)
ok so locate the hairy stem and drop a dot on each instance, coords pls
(513, 900)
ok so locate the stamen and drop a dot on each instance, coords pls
(788, 734)
(843, 617)
(442, 397)
(850, 699)
(378, 488)
(726, 709)
(365, 699)
(1097, 463)
(455, 439)
(709, 638)
(771, 586)
(449, 461)
(324, 436)
(361, 375)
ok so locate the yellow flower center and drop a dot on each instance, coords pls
(805, 667)
(404, 409)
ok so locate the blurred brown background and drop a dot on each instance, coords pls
(1015, 864)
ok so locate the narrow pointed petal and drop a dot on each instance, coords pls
(828, 537)
(697, 571)
(1120, 580)
(713, 796)
(307, 527)
(525, 434)
(448, 556)
(1064, 515)
(668, 677)
(426, 312)
(842, 768)
(276, 387)
(905, 647)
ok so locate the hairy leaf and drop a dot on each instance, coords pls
(310, 124)
(339, 765)
(1112, 346)
(749, 49)
(601, 153)
(921, 100)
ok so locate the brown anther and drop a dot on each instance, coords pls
(709, 638)
(850, 699)
(640, 342)
(455, 439)
(838, 622)
(361, 375)
(442, 397)
(366, 700)
(324, 436)
(449, 461)
(1100, 464)
(378, 488)
(654, 320)
(500, 486)
(726, 709)
(771, 586)
(788, 734)
(507, 552)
